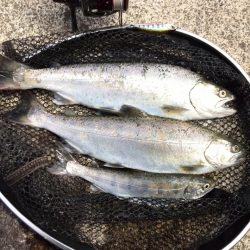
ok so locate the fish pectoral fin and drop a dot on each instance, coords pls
(191, 168)
(172, 110)
(60, 99)
(95, 189)
(109, 165)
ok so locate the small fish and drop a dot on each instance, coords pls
(147, 144)
(128, 184)
(154, 89)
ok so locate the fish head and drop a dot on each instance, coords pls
(221, 153)
(198, 188)
(211, 101)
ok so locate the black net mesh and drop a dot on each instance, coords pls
(65, 206)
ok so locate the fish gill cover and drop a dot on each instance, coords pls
(65, 205)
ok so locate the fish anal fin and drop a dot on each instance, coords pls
(128, 110)
(60, 99)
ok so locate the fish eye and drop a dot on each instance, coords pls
(235, 149)
(222, 93)
(206, 186)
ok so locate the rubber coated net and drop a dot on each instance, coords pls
(65, 206)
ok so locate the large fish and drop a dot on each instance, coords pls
(128, 184)
(155, 89)
(148, 144)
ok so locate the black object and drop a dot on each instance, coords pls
(64, 207)
(27, 169)
(95, 8)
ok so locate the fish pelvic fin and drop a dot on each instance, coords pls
(28, 112)
(11, 74)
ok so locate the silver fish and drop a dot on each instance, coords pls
(148, 144)
(155, 89)
(128, 184)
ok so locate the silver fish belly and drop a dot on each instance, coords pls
(155, 89)
(130, 184)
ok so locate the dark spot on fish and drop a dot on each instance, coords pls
(144, 70)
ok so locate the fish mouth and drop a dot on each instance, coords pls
(227, 105)
(200, 193)
(190, 194)
(237, 158)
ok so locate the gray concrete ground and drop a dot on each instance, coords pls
(224, 22)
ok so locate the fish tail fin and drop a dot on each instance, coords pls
(10, 78)
(24, 112)
(63, 156)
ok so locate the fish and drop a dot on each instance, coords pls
(131, 183)
(160, 90)
(143, 143)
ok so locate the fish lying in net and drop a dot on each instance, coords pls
(155, 89)
(128, 184)
(148, 144)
